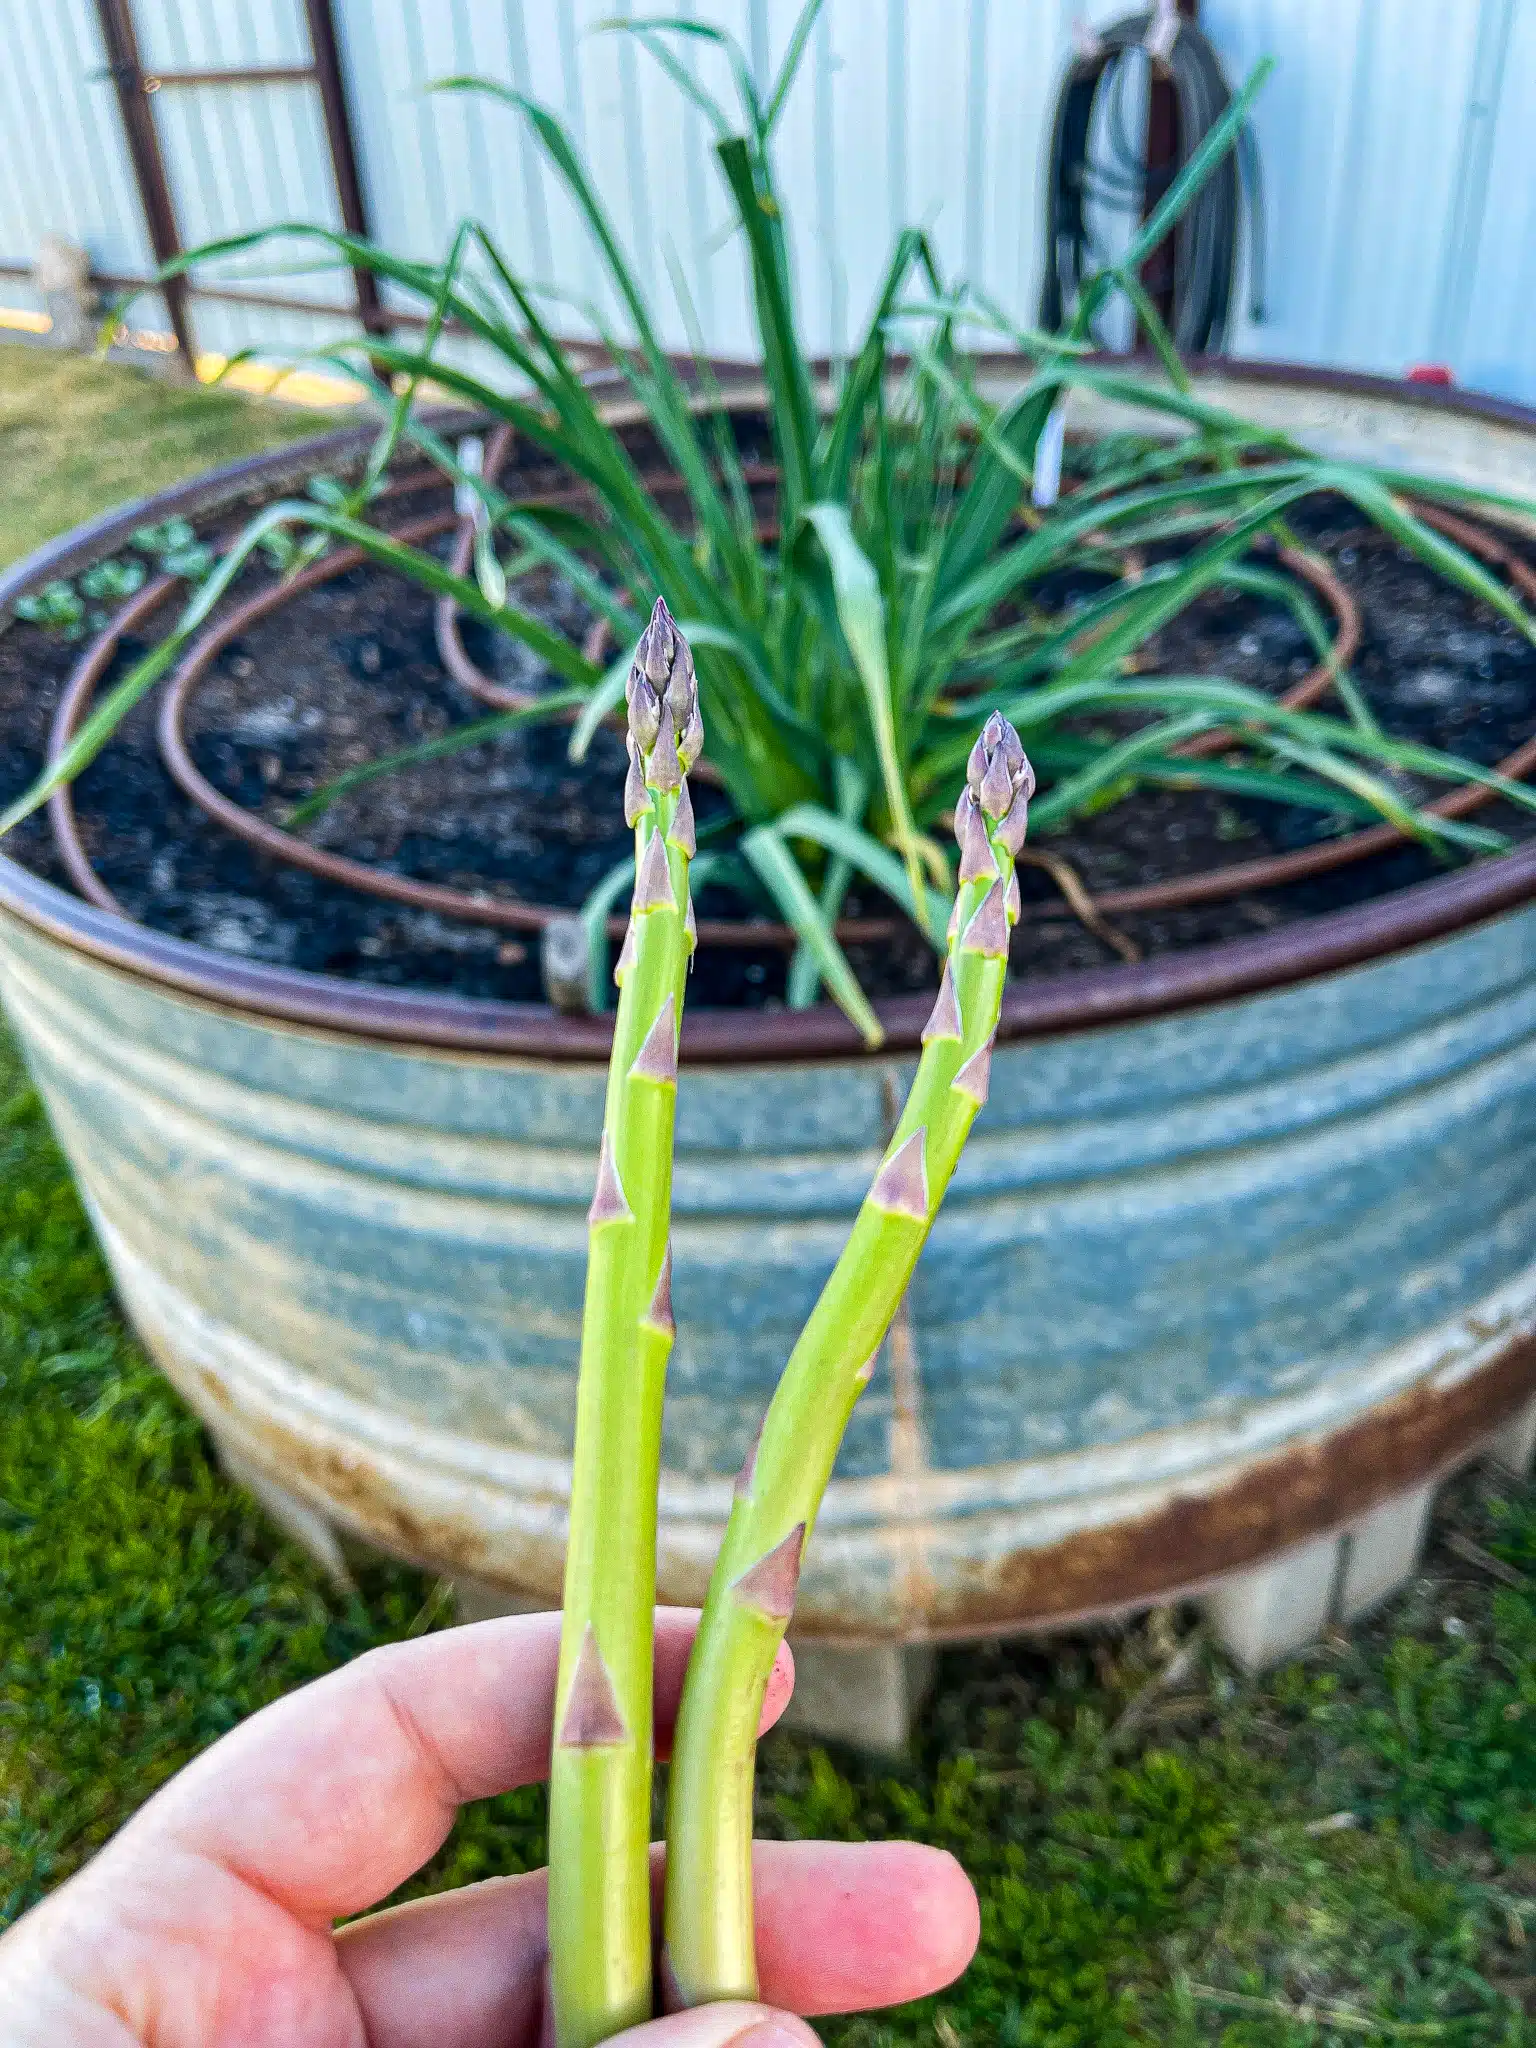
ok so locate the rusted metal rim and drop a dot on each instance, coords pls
(1086, 1000)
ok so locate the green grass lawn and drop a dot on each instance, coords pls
(1344, 1853)
(77, 436)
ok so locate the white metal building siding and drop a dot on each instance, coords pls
(1398, 140)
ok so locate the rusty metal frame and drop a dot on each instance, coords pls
(136, 87)
(120, 38)
(338, 127)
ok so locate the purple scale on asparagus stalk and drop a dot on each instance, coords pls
(626, 958)
(608, 1203)
(691, 926)
(681, 831)
(771, 1583)
(978, 863)
(659, 1314)
(901, 1185)
(975, 1077)
(644, 709)
(653, 880)
(1014, 903)
(945, 1021)
(742, 1490)
(592, 1717)
(987, 932)
(866, 1371)
(664, 768)
(690, 741)
(657, 1058)
(637, 798)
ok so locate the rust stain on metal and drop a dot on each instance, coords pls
(1306, 1490)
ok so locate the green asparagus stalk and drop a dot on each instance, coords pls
(709, 1952)
(600, 1771)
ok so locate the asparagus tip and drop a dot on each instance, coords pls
(901, 1185)
(592, 1717)
(663, 696)
(1000, 780)
(770, 1584)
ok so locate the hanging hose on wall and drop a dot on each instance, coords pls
(1126, 174)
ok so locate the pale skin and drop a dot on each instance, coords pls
(208, 1922)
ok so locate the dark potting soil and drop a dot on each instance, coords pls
(351, 670)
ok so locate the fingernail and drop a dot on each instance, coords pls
(774, 2033)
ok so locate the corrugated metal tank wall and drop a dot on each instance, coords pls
(1398, 145)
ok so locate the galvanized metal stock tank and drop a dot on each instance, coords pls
(1244, 1243)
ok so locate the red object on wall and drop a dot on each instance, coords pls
(1430, 373)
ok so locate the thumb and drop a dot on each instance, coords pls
(732, 2024)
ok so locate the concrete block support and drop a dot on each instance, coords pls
(1514, 1448)
(1265, 1614)
(867, 1697)
(1382, 1551)
(304, 1524)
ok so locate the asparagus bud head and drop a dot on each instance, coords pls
(999, 783)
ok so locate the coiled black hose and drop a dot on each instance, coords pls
(1205, 243)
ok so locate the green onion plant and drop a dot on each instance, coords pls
(841, 660)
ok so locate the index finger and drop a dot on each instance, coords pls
(330, 1798)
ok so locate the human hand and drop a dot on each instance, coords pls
(207, 1922)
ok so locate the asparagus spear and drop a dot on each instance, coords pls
(600, 1771)
(709, 1951)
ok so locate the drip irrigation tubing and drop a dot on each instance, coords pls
(486, 908)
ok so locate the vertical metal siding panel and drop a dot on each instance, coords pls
(829, 256)
(857, 212)
(701, 182)
(609, 102)
(1360, 133)
(1497, 349)
(61, 145)
(1380, 247)
(800, 170)
(1468, 197)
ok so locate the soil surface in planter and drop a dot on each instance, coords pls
(351, 670)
